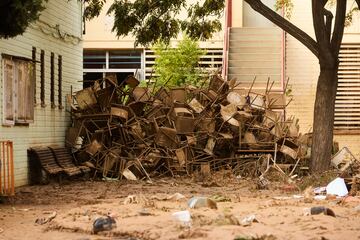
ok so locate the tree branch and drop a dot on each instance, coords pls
(318, 9)
(284, 24)
(328, 23)
(339, 26)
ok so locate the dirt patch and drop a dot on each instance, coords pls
(279, 214)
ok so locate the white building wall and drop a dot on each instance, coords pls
(49, 123)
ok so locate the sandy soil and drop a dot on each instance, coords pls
(77, 204)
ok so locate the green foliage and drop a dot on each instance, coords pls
(178, 66)
(93, 8)
(198, 28)
(349, 16)
(153, 20)
(16, 15)
(287, 5)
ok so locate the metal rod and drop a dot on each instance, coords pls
(252, 84)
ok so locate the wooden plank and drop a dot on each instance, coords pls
(8, 93)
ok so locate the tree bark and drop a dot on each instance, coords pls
(324, 110)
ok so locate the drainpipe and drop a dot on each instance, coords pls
(228, 24)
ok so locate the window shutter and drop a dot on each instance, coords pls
(25, 96)
(30, 86)
(20, 92)
(8, 93)
(347, 104)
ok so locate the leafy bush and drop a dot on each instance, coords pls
(178, 66)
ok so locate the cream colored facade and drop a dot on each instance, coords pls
(58, 31)
(99, 38)
(99, 34)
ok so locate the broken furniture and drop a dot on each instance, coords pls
(140, 132)
(53, 161)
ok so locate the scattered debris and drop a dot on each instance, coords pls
(343, 159)
(337, 187)
(220, 198)
(247, 221)
(320, 197)
(121, 130)
(288, 197)
(104, 224)
(200, 202)
(184, 217)
(319, 210)
(263, 237)
(131, 199)
(349, 167)
(44, 220)
(176, 197)
(145, 212)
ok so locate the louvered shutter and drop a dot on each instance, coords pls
(347, 104)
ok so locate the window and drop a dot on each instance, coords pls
(112, 59)
(210, 62)
(122, 63)
(94, 59)
(125, 59)
(347, 104)
(18, 86)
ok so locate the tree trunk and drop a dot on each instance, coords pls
(324, 119)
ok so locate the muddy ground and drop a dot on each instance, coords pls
(78, 203)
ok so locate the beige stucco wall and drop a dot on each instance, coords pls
(237, 13)
(99, 33)
(244, 16)
(49, 124)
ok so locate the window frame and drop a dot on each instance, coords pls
(107, 68)
(27, 100)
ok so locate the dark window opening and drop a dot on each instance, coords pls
(90, 78)
(42, 78)
(124, 59)
(94, 59)
(34, 71)
(60, 82)
(121, 76)
(52, 80)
